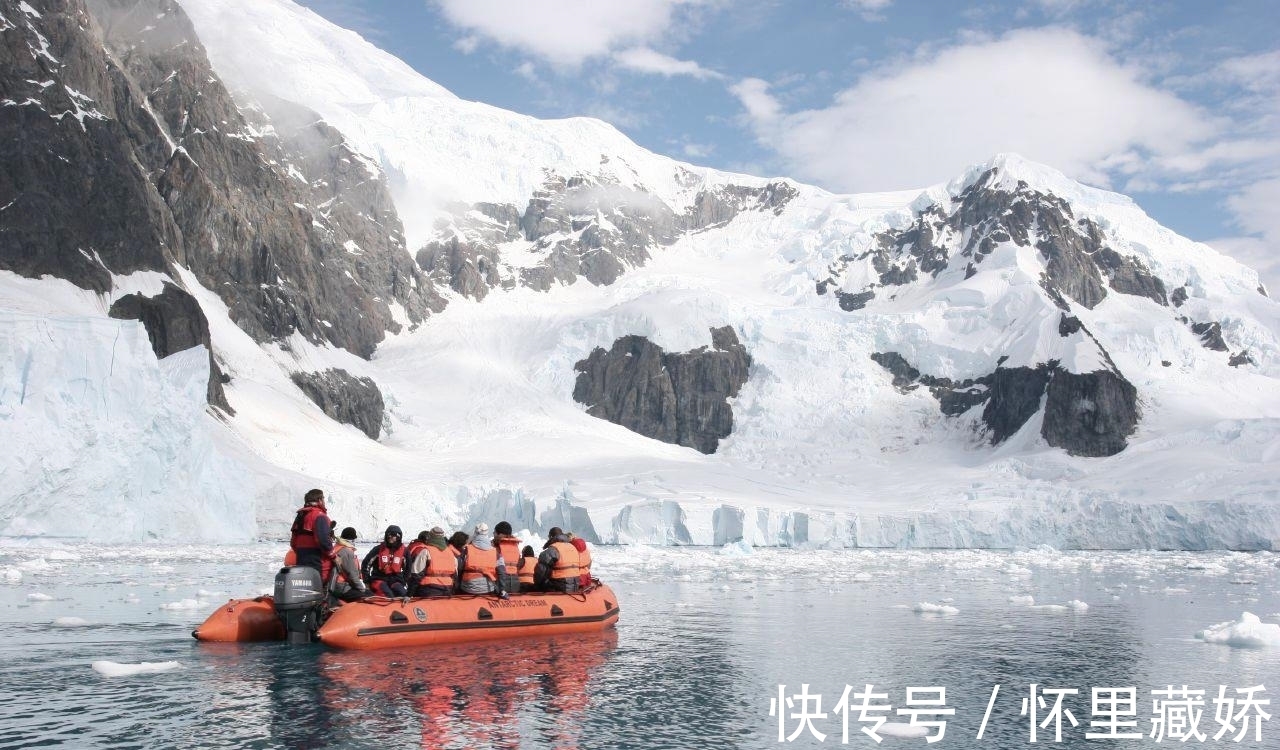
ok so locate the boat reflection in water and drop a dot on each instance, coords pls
(526, 692)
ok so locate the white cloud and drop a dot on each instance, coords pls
(564, 32)
(762, 109)
(1050, 94)
(1255, 209)
(646, 60)
(467, 44)
(870, 9)
(697, 150)
(526, 71)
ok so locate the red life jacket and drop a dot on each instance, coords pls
(481, 563)
(389, 562)
(442, 564)
(567, 565)
(413, 549)
(509, 547)
(304, 528)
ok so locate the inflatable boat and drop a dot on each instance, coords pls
(296, 615)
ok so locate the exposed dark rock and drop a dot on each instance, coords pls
(1262, 290)
(1015, 394)
(850, 302)
(1089, 414)
(904, 374)
(77, 201)
(345, 398)
(581, 227)
(1210, 335)
(1165, 363)
(676, 398)
(1079, 264)
(1179, 296)
(124, 152)
(175, 323)
(1129, 275)
(1068, 324)
(1243, 358)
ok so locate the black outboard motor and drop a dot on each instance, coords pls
(300, 598)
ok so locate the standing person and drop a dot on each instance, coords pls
(508, 548)
(480, 564)
(384, 566)
(584, 559)
(557, 568)
(347, 585)
(433, 571)
(528, 561)
(311, 537)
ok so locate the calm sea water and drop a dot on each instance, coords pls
(706, 640)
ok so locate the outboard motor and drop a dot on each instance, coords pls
(300, 597)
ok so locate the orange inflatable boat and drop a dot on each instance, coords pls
(243, 620)
(383, 623)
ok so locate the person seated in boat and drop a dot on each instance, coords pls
(385, 567)
(433, 570)
(557, 568)
(347, 585)
(311, 537)
(584, 559)
(459, 541)
(480, 564)
(528, 561)
(508, 548)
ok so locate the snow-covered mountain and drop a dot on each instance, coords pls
(444, 312)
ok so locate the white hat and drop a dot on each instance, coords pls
(480, 530)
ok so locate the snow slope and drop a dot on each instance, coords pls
(481, 422)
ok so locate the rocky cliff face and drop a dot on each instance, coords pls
(175, 323)
(1086, 414)
(1079, 264)
(584, 226)
(678, 398)
(345, 398)
(124, 152)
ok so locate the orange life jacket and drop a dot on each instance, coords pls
(481, 563)
(412, 550)
(584, 566)
(509, 547)
(567, 565)
(442, 564)
(527, 564)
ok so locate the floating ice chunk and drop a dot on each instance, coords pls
(1025, 601)
(116, 669)
(1175, 590)
(182, 604)
(1247, 632)
(70, 622)
(900, 730)
(36, 596)
(11, 575)
(203, 594)
(1049, 607)
(736, 549)
(863, 577)
(929, 608)
(1077, 605)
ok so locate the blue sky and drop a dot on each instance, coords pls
(1176, 104)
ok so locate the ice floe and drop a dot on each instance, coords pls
(116, 669)
(1247, 632)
